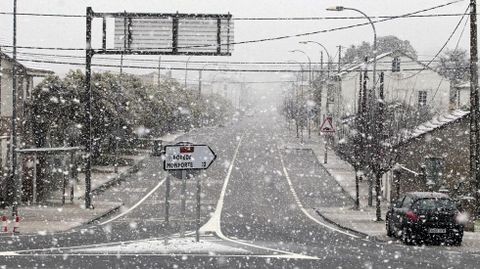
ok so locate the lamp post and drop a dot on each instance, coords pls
(186, 70)
(324, 48)
(328, 73)
(297, 118)
(341, 8)
(310, 84)
(375, 144)
(309, 64)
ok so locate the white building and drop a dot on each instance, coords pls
(406, 81)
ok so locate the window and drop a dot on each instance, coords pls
(435, 204)
(396, 64)
(407, 202)
(422, 98)
(398, 203)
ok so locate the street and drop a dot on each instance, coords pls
(258, 211)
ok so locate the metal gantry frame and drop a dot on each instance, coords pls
(128, 50)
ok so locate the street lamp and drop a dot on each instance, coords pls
(341, 8)
(309, 64)
(324, 48)
(200, 79)
(297, 118)
(371, 101)
(322, 77)
(186, 70)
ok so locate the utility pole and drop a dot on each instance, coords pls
(339, 56)
(159, 69)
(474, 110)
(87, 130)
(379, 148)
(199, 83)
(17, 188)
(120, 91)
(358, 145)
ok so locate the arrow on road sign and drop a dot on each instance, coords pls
(327, 126)
(188, 157)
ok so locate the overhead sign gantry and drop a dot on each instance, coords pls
(151, 34)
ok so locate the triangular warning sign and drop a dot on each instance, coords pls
(327, 126)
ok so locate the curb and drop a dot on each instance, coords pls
(95, 219)
(330, 174)
(361, 234)
(120, 177)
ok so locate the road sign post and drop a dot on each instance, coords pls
(326, 128)
(184, 202)
(199, 191)
(167, 201)
(186, 158)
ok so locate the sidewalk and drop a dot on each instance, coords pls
(52, 216)
(46, 219)
(362, 221)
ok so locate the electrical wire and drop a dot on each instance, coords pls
(78, 57)
(427, 66)
(438, 15)
(190, 69)
(456, 48)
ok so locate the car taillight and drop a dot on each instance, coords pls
(412, 216)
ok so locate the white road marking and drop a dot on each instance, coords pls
(213, 225)
(8, 253)
(135, 205)
(169, 255)
(299, 203)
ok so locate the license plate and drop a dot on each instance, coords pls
(437, 231)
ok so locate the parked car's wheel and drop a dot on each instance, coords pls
(457, 240)
(390, 232)
(407, 237)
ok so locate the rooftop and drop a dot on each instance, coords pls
(435, 123)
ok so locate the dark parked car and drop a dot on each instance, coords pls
(419, 217)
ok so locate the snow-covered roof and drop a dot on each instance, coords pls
(463, 85)
(35, 72)
(363, 65)
(435, 123)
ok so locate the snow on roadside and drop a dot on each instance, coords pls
(175, 245)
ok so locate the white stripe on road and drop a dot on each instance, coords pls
(149, 254)
(214, 226)
(299, 203)
(135, 205)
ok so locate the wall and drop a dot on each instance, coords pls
(399, 86)
(451, 143)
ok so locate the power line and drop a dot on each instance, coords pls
(79, 57)
(442, 48)
(271, 38)
(194, 69)
(438, 15)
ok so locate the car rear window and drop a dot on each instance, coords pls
(434, 204)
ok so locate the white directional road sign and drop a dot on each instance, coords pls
(188, 157)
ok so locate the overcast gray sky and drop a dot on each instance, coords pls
(426, 34)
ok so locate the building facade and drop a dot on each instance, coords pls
(434, 157)
(26, 79)
(406, 81)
